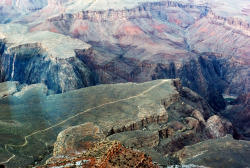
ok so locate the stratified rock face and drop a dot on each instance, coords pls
(43, 58)
(223, 37)
(139, 41)
(223, 152)
(189, 121)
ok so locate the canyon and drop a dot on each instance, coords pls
(62, 58)
(158, 118)
(136, 48)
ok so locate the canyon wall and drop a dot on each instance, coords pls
(153, 40)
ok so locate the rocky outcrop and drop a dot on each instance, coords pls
(104, 154)
(60, 76)
(191, 120)
(238, 112)
(217, 127)
(8, 88)
(77, 139)
(137, 139)
(34, 60)
(159, 115)
(223, 152)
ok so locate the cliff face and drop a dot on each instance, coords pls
(227, 39)
(36, 60)
(35, 66)
(135, 45)
(147, 42)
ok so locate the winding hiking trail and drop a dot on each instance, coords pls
(34, 133)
